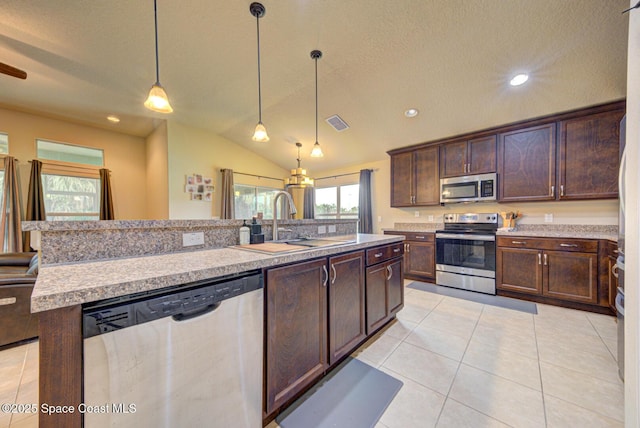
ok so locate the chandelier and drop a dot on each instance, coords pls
(298, 175)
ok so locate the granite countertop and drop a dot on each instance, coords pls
(71, 284)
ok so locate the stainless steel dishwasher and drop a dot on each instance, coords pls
(189, 356)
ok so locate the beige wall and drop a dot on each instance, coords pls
(197, 151)
(157, 157)
(604, 212)
(124, 155)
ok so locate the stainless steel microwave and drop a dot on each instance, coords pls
(470, 188)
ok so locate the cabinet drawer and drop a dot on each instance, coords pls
(420, 236)
(552, 244)
(386, 252)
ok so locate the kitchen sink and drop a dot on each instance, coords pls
(283, 246)
(318, 242)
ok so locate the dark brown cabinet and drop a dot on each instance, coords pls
(346, 304)
(414, 178)
(562, 269)
(315, 315)
(588, 163)
(296, 329)
(477, 156)
(612, 273)
(384, 285)
(527, 164)
(419, 254)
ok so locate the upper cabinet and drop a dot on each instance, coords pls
(477, 156)
(527, 164)
(588, 150)
(414, 178)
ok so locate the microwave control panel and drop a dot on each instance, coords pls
(486, 188)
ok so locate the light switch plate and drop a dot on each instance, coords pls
(416, 213)
(322, 229)
(332, 228)
(430, 218)
(193, 238)
(548, 218)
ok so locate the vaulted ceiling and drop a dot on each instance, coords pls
(450, 59)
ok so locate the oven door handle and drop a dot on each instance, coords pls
(465, 236)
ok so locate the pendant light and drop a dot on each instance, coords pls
(317, 151)
(299, 175)
(157, 99)
(260, 134)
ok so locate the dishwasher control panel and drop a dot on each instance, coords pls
(181, 303)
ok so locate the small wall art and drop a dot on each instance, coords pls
(199, 187)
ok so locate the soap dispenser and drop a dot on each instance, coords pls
(244, 233)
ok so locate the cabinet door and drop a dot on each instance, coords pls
(296, 329)
(453, 159)
(527, 164)
(571, 276)
(376, 296)
(481, 155)
(589, 149)
(395, 287)
(426, 179)
(420, 259)
(613, 283)
(346, 304)
(519, 269)
(401, 179)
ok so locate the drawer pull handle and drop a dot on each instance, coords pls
(519, 242)
(396, 250)
(553, 191)
(390, 272)
(545, 260)
(335, 274)
(419, 237)
(539, 258)
(326, 276)
(377, 255)
(7, 301)
(568, 245)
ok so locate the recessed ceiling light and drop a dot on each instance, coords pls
(519, 79)
(412, 112)
(113, 119)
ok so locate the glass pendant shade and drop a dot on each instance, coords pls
(158, 100)
(317, 151)
(260, 134)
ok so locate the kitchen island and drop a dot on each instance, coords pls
(63, 288)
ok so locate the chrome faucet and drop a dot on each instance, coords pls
(292, 210)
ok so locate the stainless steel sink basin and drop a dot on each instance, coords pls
(318, 242)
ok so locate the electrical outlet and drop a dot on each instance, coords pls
(416, 213)
(548, 218)
(332, 228)
(191, 239)
(322, 229)
(431, 218)
(379, 219)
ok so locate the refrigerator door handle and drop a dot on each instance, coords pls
(621, 184)
(620, 302)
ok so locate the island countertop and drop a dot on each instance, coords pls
(64, 285)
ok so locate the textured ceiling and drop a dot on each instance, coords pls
(450, 59)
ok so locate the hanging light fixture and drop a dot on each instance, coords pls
(157, 99)
(317, 151)
(299, 175)
(260, 134)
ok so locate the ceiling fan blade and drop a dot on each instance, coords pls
(12, 71)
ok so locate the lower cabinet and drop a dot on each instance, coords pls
(315, 315)
(385, 288)
(419, 255)
(562, 269)
(612, 273)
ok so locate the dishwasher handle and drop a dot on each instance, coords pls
(183, 316)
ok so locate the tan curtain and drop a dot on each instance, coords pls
(106, 199)
(10, 229)
(35, 200)
(227, 209)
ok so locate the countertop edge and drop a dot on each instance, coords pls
(65, 285)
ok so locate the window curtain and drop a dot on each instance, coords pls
(35, 200)
(10, 228)
(106, 198)
(309, 202)
(365, 216)
(227, 209)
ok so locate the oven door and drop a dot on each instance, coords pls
(466, 253)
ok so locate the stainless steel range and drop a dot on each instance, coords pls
(466, 252)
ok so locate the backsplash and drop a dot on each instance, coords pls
(68, 242)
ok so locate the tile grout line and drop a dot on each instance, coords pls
(544, 404)
(15, 397)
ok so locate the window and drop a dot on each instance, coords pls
(250, 200)
(69, 153)
(339, 202)
(4, 143)
(70, 180)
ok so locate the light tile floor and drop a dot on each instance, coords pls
(463, 364)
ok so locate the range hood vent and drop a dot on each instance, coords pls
(337, 123)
